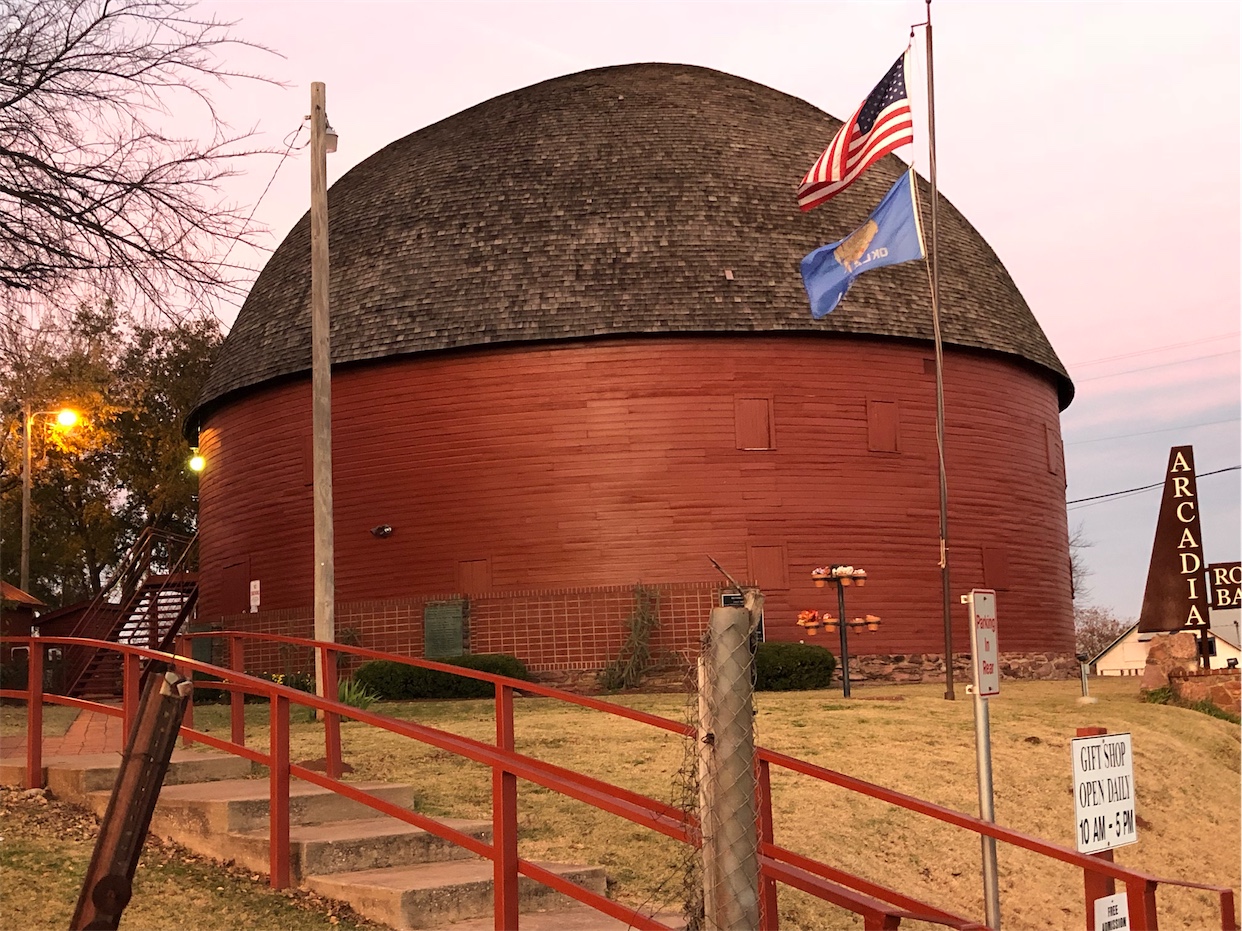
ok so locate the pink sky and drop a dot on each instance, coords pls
(1095, 145)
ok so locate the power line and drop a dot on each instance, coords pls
(1131, 491)
(1159, 365)
(1125, 436)
(1148, 352)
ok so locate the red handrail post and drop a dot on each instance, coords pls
(278, 794)
(34, 715)
(237, 700)
(131, 690)
(769, 918)
(1141, 903)
(331, 720)
(504, 821)
(183, 647)
(1228, 919)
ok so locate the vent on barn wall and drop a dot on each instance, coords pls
(443, 629)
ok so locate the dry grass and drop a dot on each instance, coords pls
(906, 738)
(56, 719)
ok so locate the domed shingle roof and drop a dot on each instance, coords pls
(606, 203)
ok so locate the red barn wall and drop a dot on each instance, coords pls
(611, 462)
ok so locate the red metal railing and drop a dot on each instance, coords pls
(879, 907)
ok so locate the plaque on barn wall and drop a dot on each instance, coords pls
(1176, 596)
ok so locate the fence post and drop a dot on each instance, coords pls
(183, 647)
(278, 793)
(131, 689)
(504, 821)
(237, 700)
(331, 720)
(34, 715)
(769, 917)
(1096, 885)
(727, 812)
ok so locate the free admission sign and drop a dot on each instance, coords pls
(984, 650)
(1103, 792)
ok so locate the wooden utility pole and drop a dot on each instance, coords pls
(321, 384)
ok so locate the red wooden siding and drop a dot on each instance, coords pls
(615, 462)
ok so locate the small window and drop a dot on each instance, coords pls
(768, 567)
(753, 420)
(882, 427)
(235, 588)
(474, 576)
(1056, 454)
(995, 568)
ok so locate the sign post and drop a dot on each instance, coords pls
(1103, 816)
(985, 664)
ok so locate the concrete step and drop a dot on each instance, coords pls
(569, 918)
(237, 806)
(434, 895)
(341, 846)
(75, 778)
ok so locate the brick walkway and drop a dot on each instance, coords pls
(89, 733)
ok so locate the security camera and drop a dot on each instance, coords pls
(383, 530)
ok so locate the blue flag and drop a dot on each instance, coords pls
(891, 236)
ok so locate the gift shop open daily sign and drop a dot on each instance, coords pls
(1103, 792)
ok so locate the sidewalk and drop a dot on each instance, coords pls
(90, 732)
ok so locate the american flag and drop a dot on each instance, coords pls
(881, 124)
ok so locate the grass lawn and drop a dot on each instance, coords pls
(904, 737)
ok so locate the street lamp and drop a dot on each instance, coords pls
(65, 417)
(840, 576)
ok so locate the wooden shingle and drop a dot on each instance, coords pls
(638, 199)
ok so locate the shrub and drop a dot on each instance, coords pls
(395, 681)
(355, 694)
(14, 675)
(787, 667)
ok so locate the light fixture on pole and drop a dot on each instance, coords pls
(322, 141)
(65, 417)
(840, 576)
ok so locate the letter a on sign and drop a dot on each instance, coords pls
(1175, 585)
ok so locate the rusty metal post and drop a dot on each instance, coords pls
(182, 647)
(504, 820)
(331, 720)
(278, 794)
(34, 715)
(769, 917)
(1096, 885)
(131, 690)
(237, 700)
(109, 878)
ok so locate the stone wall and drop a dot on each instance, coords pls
(1173, 661)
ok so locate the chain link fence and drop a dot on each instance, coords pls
(723, 892)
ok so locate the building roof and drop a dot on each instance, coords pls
(14, 595)
(630, 200)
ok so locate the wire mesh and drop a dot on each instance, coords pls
(726, 773)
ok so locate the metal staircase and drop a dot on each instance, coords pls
(145, 603)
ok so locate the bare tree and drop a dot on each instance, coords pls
(112, 155)
(1095, 628)
(1079, 570)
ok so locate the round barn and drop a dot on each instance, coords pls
(572, 355)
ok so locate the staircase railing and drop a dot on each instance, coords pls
(110, 609)
(878, 906)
